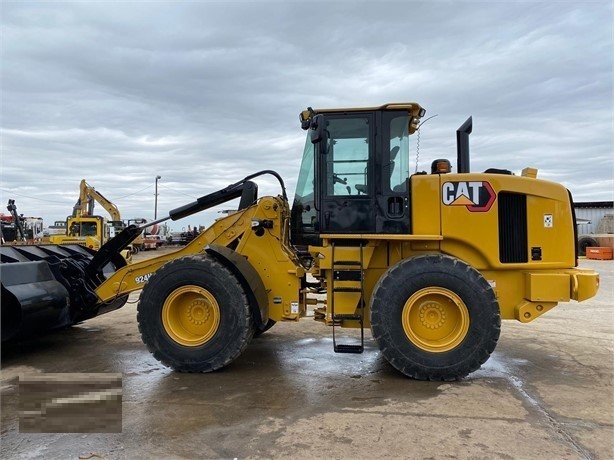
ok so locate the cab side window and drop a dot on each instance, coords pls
(396, 166)
(347, 158)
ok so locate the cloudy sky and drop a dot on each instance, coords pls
(204, 93)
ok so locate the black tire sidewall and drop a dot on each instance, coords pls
(234, 328)
(408, 277)
(270, 323)
(585, 242)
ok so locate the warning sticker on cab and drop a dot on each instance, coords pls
(475, 196)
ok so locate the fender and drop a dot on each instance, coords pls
(249, 279)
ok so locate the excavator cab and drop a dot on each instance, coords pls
(354, 172)
(115, 227)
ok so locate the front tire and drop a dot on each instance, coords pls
(435, 318)
(194, 316)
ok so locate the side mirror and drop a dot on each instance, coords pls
(305, 116)
(318, 129)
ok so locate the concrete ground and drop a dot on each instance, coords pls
(546, 392)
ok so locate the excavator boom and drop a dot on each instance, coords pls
(88, 195)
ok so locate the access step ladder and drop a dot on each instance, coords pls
(352, 272)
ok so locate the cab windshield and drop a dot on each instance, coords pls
(303, 209)
(304, 185)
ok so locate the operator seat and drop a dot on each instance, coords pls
(362, 188)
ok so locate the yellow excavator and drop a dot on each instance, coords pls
(431, 261)
(86, 228)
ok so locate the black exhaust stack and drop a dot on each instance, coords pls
(462, 146)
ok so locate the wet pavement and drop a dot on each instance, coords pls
(546, 392)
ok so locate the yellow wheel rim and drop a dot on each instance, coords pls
(191, 315)
(435, 319)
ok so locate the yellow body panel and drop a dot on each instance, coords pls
(547, 287)
(473, 236)
(524, 290)
(426, 207)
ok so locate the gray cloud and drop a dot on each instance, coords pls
(206, 93)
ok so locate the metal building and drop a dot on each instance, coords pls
(594, 212)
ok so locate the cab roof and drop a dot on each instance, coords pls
(413, 109)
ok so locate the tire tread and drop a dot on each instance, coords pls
(153, 343)
(392, 347)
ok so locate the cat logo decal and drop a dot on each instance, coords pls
(475, 196)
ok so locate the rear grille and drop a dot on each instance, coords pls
(513, 247)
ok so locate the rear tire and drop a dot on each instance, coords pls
(435, 318)
(194, 316)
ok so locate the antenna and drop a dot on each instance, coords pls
(418, 139)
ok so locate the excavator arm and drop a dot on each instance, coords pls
(85, 205)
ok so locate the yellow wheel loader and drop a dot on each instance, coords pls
(430, 261)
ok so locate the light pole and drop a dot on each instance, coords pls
(156, 198)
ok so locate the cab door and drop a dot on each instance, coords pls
(345, 170)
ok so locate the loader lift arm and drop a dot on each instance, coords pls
(244, 189)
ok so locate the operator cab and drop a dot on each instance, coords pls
(354, 173)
